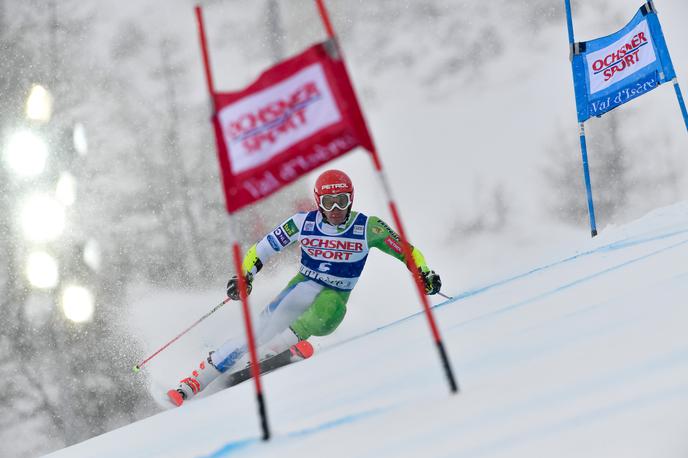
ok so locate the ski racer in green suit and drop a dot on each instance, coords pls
(335, 242)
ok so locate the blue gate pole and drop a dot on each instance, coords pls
(569, 21)
(681, 103)
(586, 173)
(581, 129)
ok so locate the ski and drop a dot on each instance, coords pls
(300, 351)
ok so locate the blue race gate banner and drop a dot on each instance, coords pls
(615, 69)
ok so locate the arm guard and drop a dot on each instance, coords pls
(252, 263)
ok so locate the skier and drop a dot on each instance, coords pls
(334, 248)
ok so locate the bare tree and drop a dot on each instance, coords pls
(491, 212)
(65, 382)
(610, 173)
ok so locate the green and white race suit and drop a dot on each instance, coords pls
(314, 302)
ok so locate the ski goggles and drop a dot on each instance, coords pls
(341, 201)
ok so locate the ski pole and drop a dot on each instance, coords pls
(215, 309)
(445, 296)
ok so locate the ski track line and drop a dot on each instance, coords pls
(486, 420)
(241, 444)
(516, 355)
(500, 356)
(626, 243)
(582, 420)
(565, 286)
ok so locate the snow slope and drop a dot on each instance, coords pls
(583, 356)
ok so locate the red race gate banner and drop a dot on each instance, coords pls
(296, 116)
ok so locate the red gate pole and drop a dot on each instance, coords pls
(402, 234)
(255, 371)
(416, 275)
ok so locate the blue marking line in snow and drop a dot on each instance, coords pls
(337, 422)
(232, 447)
(235, 446)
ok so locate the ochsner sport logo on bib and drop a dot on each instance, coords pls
(621, 59)
(334, 248)
(267, 123)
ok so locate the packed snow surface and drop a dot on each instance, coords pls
(585, 355)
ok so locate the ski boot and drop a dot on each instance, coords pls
(301, 350)
(190, 386)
